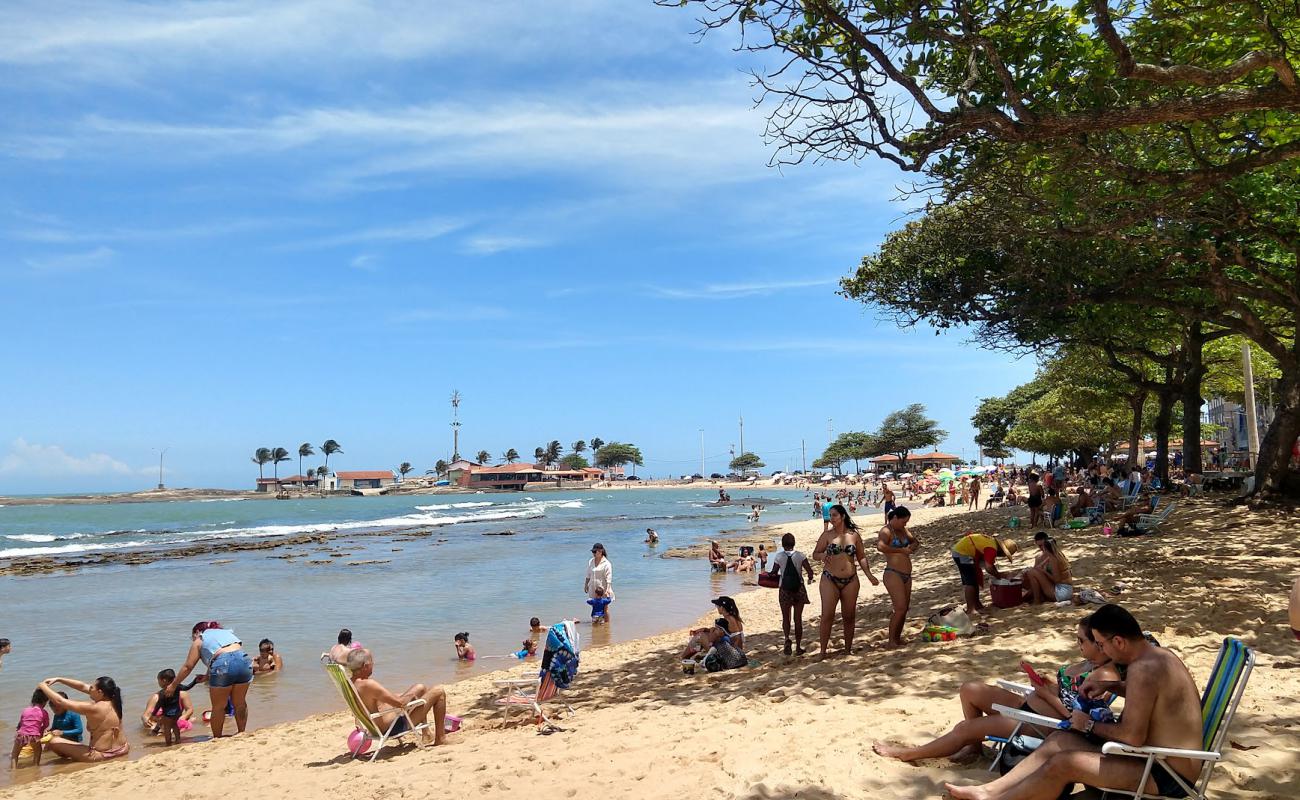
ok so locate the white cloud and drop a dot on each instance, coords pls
(491, 245)
(734, 291)
(420, 230)
(449, 314)
(51, 230)
(29, 459)
(365, 261)
(71, 262)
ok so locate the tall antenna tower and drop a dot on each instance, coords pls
(455, 426)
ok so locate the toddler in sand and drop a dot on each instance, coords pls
(31, 727)
(165, 713)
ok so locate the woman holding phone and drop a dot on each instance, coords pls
(1053, 698)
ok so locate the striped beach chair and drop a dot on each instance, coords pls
(1223, 693)
(366, 721)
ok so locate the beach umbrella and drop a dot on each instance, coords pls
(928, 472)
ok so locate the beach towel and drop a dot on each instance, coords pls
(560, 658)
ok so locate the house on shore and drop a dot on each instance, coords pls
(916, 462)
(526, 476)
(366, 479)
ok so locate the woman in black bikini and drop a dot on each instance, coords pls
(840, 550)
(1050, 698)
(898, 544)
(1034, 500)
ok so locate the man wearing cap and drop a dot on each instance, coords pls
(974, 554)
(600, 574)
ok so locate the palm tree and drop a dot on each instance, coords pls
(483, 457)
(311, 473)
(511, 456)
(322, 471)
(304, 450)
(579, 446)
(405, 468)
(597, 443)
(553, 451)
(330, 448)
(261, 457)
(441, 467)
(539, 455)
(278, 456)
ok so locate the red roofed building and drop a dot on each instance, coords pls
(915, 462)
(519, 476)
(366, 479)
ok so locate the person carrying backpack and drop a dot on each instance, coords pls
(792, 591)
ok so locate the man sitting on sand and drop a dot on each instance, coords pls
(361, 662)
(1161, 709)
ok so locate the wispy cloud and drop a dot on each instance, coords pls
(72, 262)
(491, 245)
(420, 230)
(449, 314)
(365, 261)
(51, 230)
(734, 291)
(29, 459)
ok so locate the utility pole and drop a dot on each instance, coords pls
(455, 426)
(803, 448)
(1252, 422)
(160, 480)
(702, 473)
(830, 430)
(742, 434)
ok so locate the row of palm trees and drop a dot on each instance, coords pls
(275, 456)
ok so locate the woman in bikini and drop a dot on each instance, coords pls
(1053, 698)
(103, 713)
(897, 544)
(1048, 580)
(841, 551)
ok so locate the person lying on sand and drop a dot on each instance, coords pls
(1162, 708)
(361, 662)
(1053, 698)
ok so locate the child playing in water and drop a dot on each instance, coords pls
(535, 627)
(527, 650)
(163, 713)
(598, 605)
(31, 727)
(464, 650)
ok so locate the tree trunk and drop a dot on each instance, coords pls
(1164, 421)
(1193, 377)
(1136, 401)
(1273, 466)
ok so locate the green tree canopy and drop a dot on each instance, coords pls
(906, 430)
(574, 461)
(618, 454)
(747, 461)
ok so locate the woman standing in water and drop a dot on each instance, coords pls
(230, 672)
(600, 575)
(897, 544)
(841, 551)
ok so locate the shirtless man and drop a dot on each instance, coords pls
(376, 698)
(1161, 708)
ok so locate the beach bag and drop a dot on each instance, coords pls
(953, 617)
(769, 580)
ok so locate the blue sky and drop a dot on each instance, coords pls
(230, 224)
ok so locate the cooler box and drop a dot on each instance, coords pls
(1006, 593)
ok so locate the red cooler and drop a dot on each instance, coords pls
(1006, 592)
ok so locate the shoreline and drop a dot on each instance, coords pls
(746, 734)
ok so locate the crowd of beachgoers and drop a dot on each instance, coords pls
(1161, 700)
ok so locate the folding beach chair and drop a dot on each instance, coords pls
(1018, 737)
(1147, 522)
(1132, 495)
(366, 721)
(1223, 693)
(559, 667)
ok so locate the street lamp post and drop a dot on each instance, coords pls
(160, 462)
(701, 452)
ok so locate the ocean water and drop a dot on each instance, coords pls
(128, 622)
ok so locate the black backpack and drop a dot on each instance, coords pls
(789, 574)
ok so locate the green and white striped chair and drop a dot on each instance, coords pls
(1223, 693)
(365, 720)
